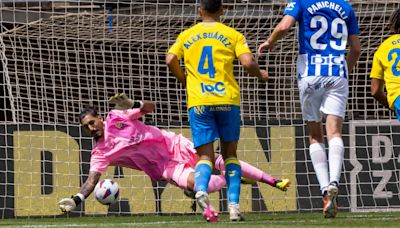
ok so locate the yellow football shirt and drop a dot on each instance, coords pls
(386, 66)
(209, 49)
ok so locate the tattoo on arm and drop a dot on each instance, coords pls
(90, 183)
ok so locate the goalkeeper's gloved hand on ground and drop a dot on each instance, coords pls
(69, 204)
(122, 102)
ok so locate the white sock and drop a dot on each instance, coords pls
(336, 153)
(320, 163)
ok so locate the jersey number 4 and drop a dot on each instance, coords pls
(340, 35)
(206, 54)
(396, 61)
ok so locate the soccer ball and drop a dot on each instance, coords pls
(106, 192)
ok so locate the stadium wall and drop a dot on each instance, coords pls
(37, 159)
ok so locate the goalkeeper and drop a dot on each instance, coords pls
(123, 140)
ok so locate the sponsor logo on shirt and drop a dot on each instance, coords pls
(120, 125)
(290, 6)
(216, 89)
(327, 60)
(135, 139)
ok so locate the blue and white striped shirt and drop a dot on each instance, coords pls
(324, 27)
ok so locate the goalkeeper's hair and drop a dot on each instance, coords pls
(86, 111)
(394, 22)
(211, 6)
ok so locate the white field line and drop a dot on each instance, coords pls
(177, 222)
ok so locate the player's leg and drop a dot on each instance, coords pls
(217, 182)
(233, 173)
(336, 147)
(334, 106)
(204, 167)
(184, 151)
(182, 175)
(254, 174)
(336, 154)
(202, 176)
(204, 133)
(228, 122)
(311, 95)
(318, 154)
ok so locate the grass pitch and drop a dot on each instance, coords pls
(344, 219)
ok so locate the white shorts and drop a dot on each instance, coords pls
(321, 95)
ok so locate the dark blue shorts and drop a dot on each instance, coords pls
(210, 123)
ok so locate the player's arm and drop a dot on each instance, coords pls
(252, 67)
(377, 91)
(377, 79)
(175, 53)
(279, 32)
(69, 204)
(354, 42)
(90, 183)
(176, 69)
(123, 102)
(354, 53)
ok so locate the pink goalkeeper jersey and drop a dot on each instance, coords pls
(128, 142)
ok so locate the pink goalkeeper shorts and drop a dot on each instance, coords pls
(182, 164)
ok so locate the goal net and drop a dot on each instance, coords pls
(57, 57)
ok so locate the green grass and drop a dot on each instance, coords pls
(344, 219)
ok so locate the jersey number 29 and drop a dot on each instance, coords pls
(339, 43)
(206, 54)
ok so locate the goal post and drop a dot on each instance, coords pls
(56, 57)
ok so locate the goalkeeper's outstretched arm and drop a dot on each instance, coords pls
(88, 187)
(69, 204)
(123, 102)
